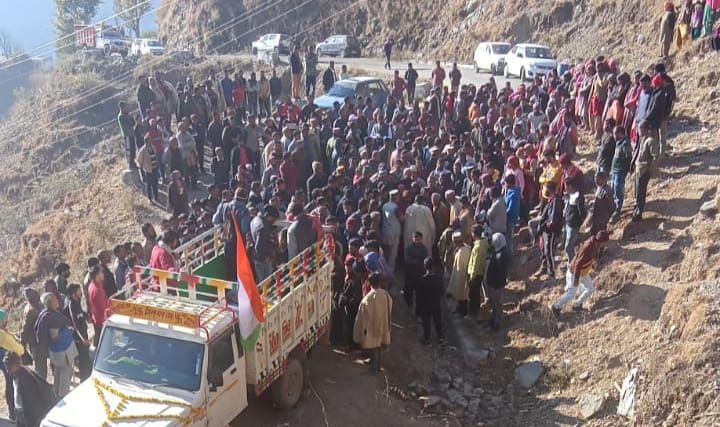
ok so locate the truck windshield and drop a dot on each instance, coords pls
(150, 359)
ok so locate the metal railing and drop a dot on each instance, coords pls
(200, 249)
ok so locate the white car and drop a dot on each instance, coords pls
(490, 56)
(147, 47)
(272, 42)
(528, 60)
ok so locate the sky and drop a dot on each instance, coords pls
(30, 22)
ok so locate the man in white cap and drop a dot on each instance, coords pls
(391, 228)
(458, 285)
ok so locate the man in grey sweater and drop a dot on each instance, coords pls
(497, 214)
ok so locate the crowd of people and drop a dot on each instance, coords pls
(688, 22)
(438, 188)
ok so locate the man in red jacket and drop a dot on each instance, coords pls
(161, 257)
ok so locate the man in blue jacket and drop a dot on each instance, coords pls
(512, 201)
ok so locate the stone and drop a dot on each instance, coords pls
(584, 376)
(626, 405)
(431, 401)
(528, 373)
(457, 383)
(709, 208)
(423, 389)
(443, 377)
(590, 404)
(468, 390)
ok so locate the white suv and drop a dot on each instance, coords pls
(528, 60)
(491, 57)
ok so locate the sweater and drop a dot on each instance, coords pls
(512, 202)
(497, 216)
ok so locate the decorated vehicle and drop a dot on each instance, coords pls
(171, 351)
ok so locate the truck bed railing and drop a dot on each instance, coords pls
(151, 282)
(200, 249)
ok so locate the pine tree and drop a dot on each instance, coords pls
(130, 11)
(68, 14)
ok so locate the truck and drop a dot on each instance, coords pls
(101, 37)
(170, 352)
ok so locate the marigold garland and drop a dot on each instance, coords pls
(114, 415)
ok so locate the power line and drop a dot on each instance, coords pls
(54, 42)
(9, 62)
(150, 64)
(173, 68)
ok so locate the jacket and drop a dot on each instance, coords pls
(311, 61)
(646, 153)
(497, 216)
(497, 270)
(263, 89)
(98, 302)
(552, 216)
(147, 159)
(603, 207)
(657, 108)
(512, 203)
(329, 79)
(301, 235)
(478, 258)
(584, 258)
(429, 292)
(372, 323)
(35, 395)
(622, 158)
(606, 153)
(574, 212)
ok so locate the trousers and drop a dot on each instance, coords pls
(434, 315)
(495, 297)
(586, 289)
(641, 185)
(618, 187)
(571, 239)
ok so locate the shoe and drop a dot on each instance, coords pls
(578, 309)
(540, 272)
(556, 311)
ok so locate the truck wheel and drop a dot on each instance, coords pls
(522, 74)
(288, 388)
(254, 51)
(493, 70)
(507, 71)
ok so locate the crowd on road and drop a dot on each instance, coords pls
(437, 187)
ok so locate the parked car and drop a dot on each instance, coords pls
(146, 47)
(528, 60)
(270, 42)
(490, 56)
(339, 45)
(354, 87)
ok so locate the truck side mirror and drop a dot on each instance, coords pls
(215, 379)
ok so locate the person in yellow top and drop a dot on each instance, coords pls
(552, 172)
(579, 273)
(476, 268)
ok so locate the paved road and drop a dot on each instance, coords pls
(424, 69)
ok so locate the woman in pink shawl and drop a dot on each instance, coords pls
(631, 101)
(512, 167)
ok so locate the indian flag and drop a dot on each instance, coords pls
(251, 312)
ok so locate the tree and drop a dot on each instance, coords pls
(68, 13)
(130, 11)
(8, 47)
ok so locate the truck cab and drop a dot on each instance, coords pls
(171, 352)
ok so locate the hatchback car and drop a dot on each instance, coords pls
(339, 45)
(528, 60)
(272, 42)
(354, 87)
(490, 57)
